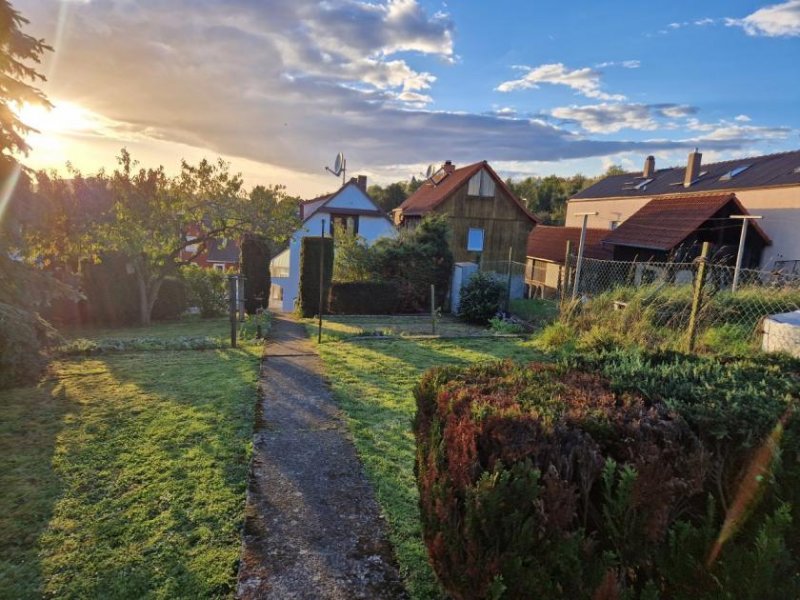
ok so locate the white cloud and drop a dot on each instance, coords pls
(585, 81)
(742, 118)
(776, 20)
(608, 118)
(627, 64)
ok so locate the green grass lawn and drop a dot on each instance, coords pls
(373, 381)
(338, 327)
(124, 476)
(535, 310)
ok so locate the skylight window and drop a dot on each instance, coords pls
(437, 177)
(734, 172)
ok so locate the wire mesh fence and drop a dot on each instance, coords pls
(510, 273)
(686, 305)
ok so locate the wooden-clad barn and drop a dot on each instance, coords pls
(485, 216)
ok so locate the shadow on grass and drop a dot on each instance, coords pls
(31, 420)
(142, 486)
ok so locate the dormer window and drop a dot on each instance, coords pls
(481, 184)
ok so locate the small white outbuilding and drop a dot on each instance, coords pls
(782, 333)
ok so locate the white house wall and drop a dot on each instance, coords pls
(369, 227)
(780, 208)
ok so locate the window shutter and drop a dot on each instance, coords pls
(474, 188)
(487, 185)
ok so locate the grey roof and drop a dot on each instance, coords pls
(763, 171)
(229, 253)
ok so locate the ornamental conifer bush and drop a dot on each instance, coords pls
(612, 476)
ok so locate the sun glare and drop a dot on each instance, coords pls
(63, 118)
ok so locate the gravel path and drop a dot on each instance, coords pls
(312, 526)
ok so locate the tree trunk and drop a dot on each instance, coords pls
(144, 307)
(155, 287)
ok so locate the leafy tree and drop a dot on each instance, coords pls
(153, 213)
(352, 259)
(390, 197)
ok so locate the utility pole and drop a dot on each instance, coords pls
(581, 246)
(745, 219)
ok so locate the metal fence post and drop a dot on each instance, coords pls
(581, 246)
(699, 282)
(321, 279)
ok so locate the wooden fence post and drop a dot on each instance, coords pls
(433, 309)
(699, 282)
(233, 287)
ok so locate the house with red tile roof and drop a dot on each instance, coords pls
(485, 216)
(546, 254)
(655, 211)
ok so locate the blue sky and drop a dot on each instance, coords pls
(534, 87)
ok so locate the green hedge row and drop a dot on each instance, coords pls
(621, 475)
(308, 297)
(363, 298)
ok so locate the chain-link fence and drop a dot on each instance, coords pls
(685, 305)
(510, 273)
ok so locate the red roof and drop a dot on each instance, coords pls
(663, 223)
(428, 196)
(550, 243)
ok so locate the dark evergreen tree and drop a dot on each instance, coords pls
(255, 257)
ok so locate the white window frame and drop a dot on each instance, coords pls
(471, 247)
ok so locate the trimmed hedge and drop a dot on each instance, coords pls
(255, 257)
(363, 298)
(613, 476)
(308, 297)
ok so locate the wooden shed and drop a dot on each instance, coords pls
(485, 216)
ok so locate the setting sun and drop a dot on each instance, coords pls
(64, 117)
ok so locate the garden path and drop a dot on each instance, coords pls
(313, 528)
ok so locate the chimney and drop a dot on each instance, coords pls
(448, 166)
(362, 182)
(692, 168)
(649, 167)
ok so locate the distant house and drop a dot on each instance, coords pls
(674, 229)
(351, 208)
(486, 217)
(546, 253)
(670, 204)
(664, 229)
(220, 254)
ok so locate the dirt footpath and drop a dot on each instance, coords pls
(312, 526)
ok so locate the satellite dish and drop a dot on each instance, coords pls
(339, 167)
(432, 168)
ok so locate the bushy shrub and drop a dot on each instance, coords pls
(505, 325)
(353, 258)
(24, 339)
(414, 261)
(206, 289)
(612, 476)
(481, 298)
(657, 317)
(362, 298)
(171, 302)
(310, 250)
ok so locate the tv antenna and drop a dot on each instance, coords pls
(339, 167)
